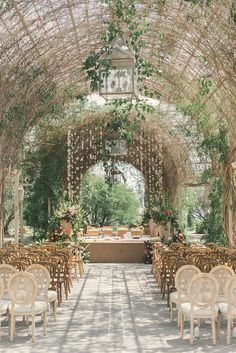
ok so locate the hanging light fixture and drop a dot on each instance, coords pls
(116, 176)
(118, 73)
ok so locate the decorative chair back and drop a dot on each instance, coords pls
(6, 271)
(1, 288)
(42, 277)
(203, 290)
(19, 264)
(183, 276)
(222, 273)
(22, 288)
(230, 291)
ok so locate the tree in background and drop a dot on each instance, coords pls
(106, 205)
(44, 169)
(194, 206)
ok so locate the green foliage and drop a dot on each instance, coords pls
(28, 101)
(84, 253)
(125, 24)
(125, 118)
(43, 169)
(5, 5)
(120, 121)
(212, 224)
(212, 134)
(162, 212)
(193, 207)
(44, 165)
(103, 205)
(216, 145)
(233, 12)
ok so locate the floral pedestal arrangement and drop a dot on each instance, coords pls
(66, 227)
(65, 223)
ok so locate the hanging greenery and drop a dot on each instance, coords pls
(212, 224)
(213, 144)
(125, 24)
(128, 25)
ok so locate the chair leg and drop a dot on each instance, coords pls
(171, 310)
(218, 333)
(81, 268)
(33, 328)
(45, 322)
(191, 329)
(55, 310)
(228, 330)
(181, 324)
(213, 327)
(11, 327)
(179, 317)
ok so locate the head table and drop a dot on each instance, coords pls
(115, 250)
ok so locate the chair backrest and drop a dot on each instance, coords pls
(22, 288)
(42, 277)
(6, 271)
(19, 264)
(230, 291)
(107, 230)
(1, 288)
(183, 276)
(222, 273)
(203, 290)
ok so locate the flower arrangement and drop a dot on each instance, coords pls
(163, 215)
(69, 213)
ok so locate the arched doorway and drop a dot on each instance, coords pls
(117, 201)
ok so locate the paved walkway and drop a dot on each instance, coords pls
(115, 308)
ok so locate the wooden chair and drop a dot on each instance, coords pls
(6, 271)
(122, 230)
(228, 308)
(107, 230)
(203, 291)
(42, 277)
(222, 273)
(182, 278)
(3, 304)
(22, 288)
(93, 232)
(19, 265)
(55, 284)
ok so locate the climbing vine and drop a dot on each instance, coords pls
(125, 24)
(213, 143)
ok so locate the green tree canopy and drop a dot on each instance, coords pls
(106, 205)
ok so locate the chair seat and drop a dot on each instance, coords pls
(221, 299)
(6, 297)
(40, 306)
(223, 308)
(174, 297)
(4, 304)
(204, 312)
(52, 295)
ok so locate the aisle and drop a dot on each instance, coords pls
(115, 308)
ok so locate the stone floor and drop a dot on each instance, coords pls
(115, 308)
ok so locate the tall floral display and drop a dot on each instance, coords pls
(65, 224)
